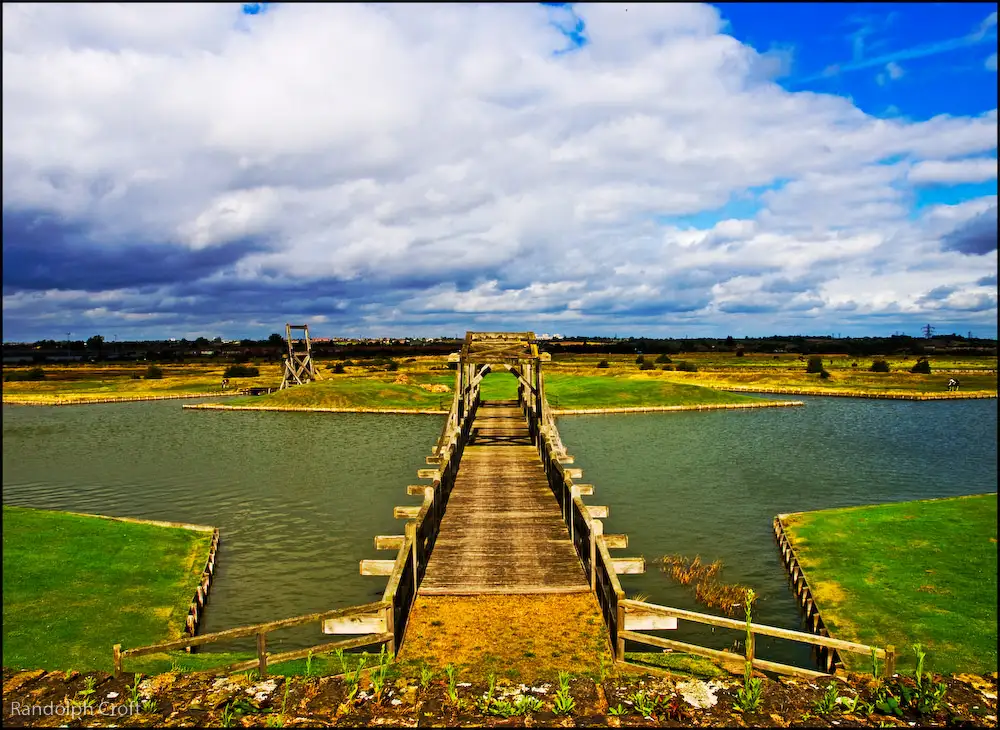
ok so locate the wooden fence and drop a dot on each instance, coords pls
(640, 608)
(261, 631)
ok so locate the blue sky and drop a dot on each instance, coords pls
(673, 170)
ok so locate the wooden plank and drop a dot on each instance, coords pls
(629, 565)
(573, 473)
(565, 459)
(416, 490)
(428, 473)
(760, 629)
(371, 623)
(644, 621)
(616, 541)
(388, 542)
(434, 459)
(377, 567)
(598, 512)
(405, 513)
(586, 490)
(244, 631)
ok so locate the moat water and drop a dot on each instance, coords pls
(299, 497)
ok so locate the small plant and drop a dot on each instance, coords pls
(617, 710)
(889, 705)
(824, 375)
(687, 367)
(663, 359)
(879, 366)
(922, 367)
(378, 674)
(133, 691)
(340, 658)
(565, 703)
(227, 716)
(526, 703)
(850, 704)
(354, 678)
(603, 364)
(309, 663)
(640, 360)
(827, 704)
(675, 709)
(750, 695)
(644, 704)
(338, 368)
(647, 366)
(154, 372)
(426, 675)
(149, 706)
(452, 674)
(928, 696)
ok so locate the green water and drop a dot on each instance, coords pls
(710, 483)
(298, 497)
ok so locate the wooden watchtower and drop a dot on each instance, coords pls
(299, 366)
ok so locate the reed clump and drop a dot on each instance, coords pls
(708, 589)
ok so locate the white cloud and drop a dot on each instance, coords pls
(447, 148)
(972, 170)
(991, 62)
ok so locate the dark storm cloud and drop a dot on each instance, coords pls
(41, 252)
(976, 237)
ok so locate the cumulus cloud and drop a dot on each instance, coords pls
(408, 168)
(954, 171)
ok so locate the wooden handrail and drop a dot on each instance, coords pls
(763, 630)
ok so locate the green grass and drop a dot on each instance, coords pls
(203, 660)
(904, 573)
(621, 391)
(362, 391)
(73, 586)
(678, 663)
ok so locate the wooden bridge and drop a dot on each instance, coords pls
(503, 515)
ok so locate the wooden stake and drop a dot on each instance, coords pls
(262, 654)
(116, 657)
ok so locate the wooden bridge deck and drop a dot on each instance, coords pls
(502, 531)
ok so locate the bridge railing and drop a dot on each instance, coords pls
(586, 532)
(421, 532)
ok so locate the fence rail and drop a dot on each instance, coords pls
(261, 631)
(888, 654)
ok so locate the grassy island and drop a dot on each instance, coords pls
(904, 573)
(75, 585)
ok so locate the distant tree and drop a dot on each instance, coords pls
(663, 359)
(201, 342)
(667, 367)
(687, 367)
(603, 364)
(730, 343)
(824, 374)
(815, 364)
(338, 368)
(392, 366)
(95, 343)
(241, 371)
(647, 366)
(922, 366)
(739, 352)
(640, 360)
(879, 366)
(276, 340)
(153, 372)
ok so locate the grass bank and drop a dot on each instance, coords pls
(923, 571)
(414, 390)
(75, 585)
(87, 383)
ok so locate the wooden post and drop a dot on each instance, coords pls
(262, 654)
(890, 660)
(116, 657)
(389, 629)
(596, 529)
(573, 493)
(620, 648)
(411, 532)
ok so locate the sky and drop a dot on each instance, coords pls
(673, 170)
